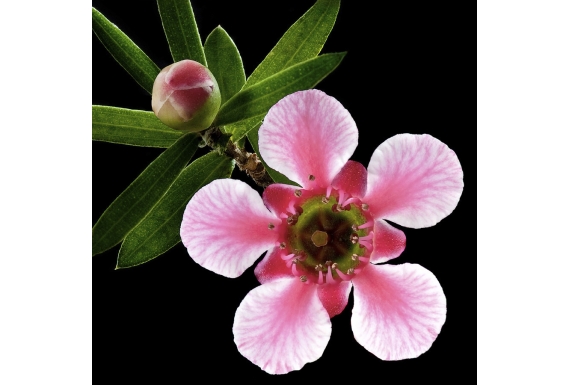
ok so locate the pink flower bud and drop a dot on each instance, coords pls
(186, 96)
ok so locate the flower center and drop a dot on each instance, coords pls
(326, 238)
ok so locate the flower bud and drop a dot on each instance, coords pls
(186, 96)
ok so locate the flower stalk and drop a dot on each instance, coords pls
(246, 161)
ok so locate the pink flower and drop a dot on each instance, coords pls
(327, 237)
(186, 96)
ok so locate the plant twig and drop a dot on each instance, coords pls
(246, 161)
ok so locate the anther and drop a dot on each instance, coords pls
(292, 219)
(354, 227)
(354, 238)
(271, 226)
(337, 208)
(325, 200)
(303, 278)
(311, 177)
(328, 263)
(282, 245)
(298, 193)
(319, 267)
(365, 207)
(350, 271)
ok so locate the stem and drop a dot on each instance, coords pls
(246, 161)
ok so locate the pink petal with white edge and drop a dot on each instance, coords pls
(352, 179)
(277, 197)
(308, 133)
(272, 267)
(334, 297)
(413, 180)
(389, 242)
(226, 227)
(281, 325)
(398, 310)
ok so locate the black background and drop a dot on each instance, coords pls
(406, 71)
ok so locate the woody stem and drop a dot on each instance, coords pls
(246, 161)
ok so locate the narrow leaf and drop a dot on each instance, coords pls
(240, 129)
(181, 30)
(302, 41)
(225, 62)
(138, 199)
(160, 229)
(125, 52)
(132, 127)
(253, 137)
(256, 100)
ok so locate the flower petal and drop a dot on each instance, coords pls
(277, 197)
(351, 179)
(225, 227)
(398, 310)
(281, 325)
(272, 267)
(308, 133)
(413, 180)
(334, 297)
(389, 242)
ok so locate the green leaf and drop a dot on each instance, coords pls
(302, 41)
(133, 127)
(181, 30)
(160, 229)
(225, 62)
(138, 199)
(253, 137)
(256, 100)
(125, 52)
(240, 129)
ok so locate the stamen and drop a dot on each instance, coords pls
(325, 200)
(354, 238)
(291, 208)
(350, 271)
(292, 219)
(321, 279)
(363, 259)
(283, 215)
(330, 278)
(342, 276)
(368, 237)
(337, 208)
(287, 257)
(303, 278)
(319, 267)
(370, 223)
(365, 207)
(355, 258)
(366, 244)
(341, 197)
(349, 201)
(294, 269)
(298, 193)
(271, 226)
(311, 177)
(329, 190)
(282, 245)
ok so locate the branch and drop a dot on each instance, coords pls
(246, 161)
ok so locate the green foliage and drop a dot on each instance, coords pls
(138, 199)
(160, 229)
(225, 62)
(256, 100)
(302, 41)
(147, 215)
(132, 127)
(181, 30)
(125, 52)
